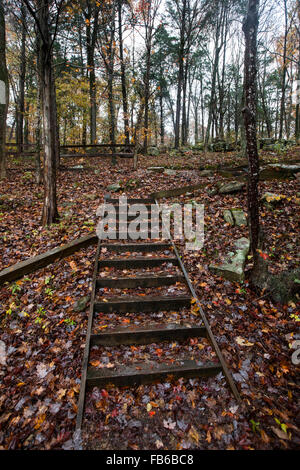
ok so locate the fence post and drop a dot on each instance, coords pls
(135, 159)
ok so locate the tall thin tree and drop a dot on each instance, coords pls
(3, 92)
(250, 28)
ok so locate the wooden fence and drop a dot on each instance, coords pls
(89, 151)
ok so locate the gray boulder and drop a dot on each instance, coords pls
(239, 217)
(156, 169)
(272, 199)
(232, 187)
(153, 151)
(228, 217)
(206, 173)
(170, 172)
(114, 187)
(278, 171)
(81, 304)
(233, 269)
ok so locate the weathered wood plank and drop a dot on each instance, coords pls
(132, 247)
(33, 264)
(139, 281)
(86, 353)
(136, 262)
(148, 335)
(143, 304)
(128, 376)
(97, 145)
(96, 155)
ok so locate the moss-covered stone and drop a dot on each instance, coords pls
(114, 187)
(239, 217)
(232, 187)
(81, 304)
(233, 269)
(228, 217)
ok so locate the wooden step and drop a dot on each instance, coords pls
(123, 235)
(139, 281)
(147, 334)
(142, 304)
(142, 373)
(132, 247)
(136, 262)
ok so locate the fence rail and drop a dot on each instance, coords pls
(122, 154)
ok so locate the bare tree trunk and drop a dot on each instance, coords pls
(22, 76)
(91, 35)
(250, 110)
(284, 72)
(184, 113)
(162, 125)
(50, 213)
(180, 75)
(297, 121)
(4, 95)
(147, 96)
(123, 77)
(212, 103)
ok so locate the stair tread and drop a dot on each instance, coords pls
(151, 371)
(147, 334)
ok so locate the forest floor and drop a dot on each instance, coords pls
(42, 338)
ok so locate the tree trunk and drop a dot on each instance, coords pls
(184, 113)
(123, 78)
(212, 103)
(284, 72)
(92, 86)
(50, 213)
(147, 96)
(91, 38)
(162, 126)
(249, 112)
(4, 95)
(22, 76)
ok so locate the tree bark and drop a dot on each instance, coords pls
(250, 28)
(180, 75)
(22, 76)
(4, 94)
(123, 77)
(50, 213)
(284, 72)
(91, 38)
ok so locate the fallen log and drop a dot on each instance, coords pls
(30, 265)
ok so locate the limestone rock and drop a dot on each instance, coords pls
(278, 171)
(272, 199)
(153, 151)
(170, 172)
(205, 173)
(228, 217)
(156, 169)
(114, 187)
(239, 217)
(232, 187)
(233, 269)
(81, 304)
